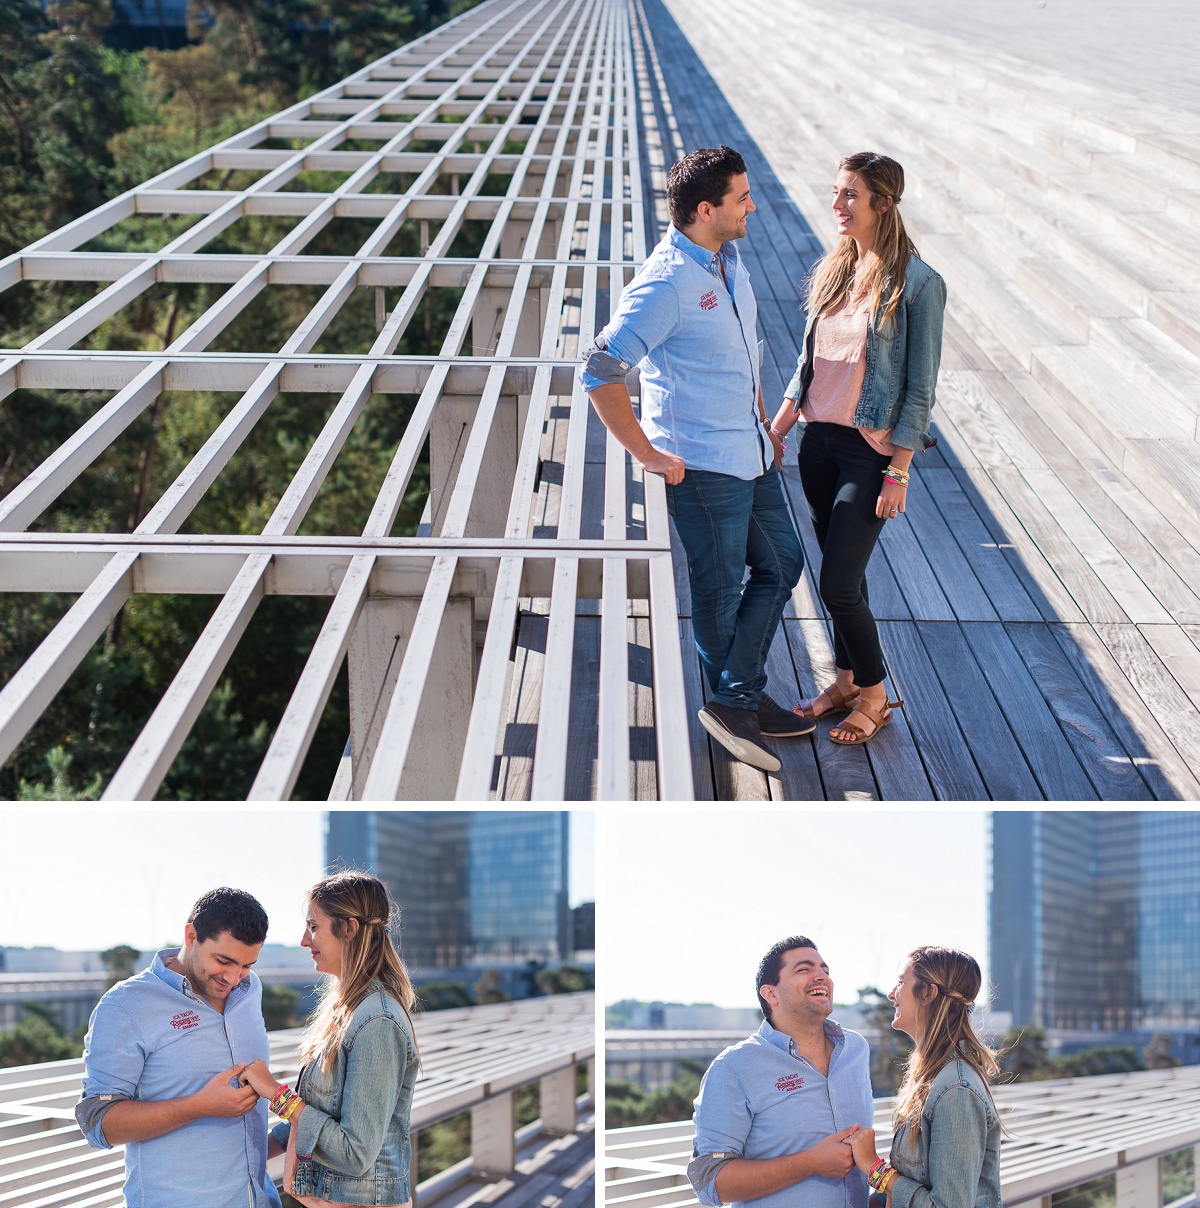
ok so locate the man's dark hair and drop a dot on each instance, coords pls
(770, 965)
(702, 175)
(232, 910)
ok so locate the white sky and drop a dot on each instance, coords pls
(92, 877)
(691, 900)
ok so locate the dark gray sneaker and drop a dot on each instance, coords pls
(737, 730)
(777, 722)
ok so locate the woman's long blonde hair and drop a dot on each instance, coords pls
(369, 958)
(833, 274)
(946, 1027)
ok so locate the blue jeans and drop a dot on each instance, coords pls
(726, 524)
(842, 476)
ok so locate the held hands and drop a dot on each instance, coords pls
(832, 1156)
(862, 1145)
(219, 1098)
(778, 444)
(666, 464)
(259, 1079)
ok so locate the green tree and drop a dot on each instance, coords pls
(487, 988)
(35, 1038)
(443, 995)
(565, 979)
(120, 962)
(279, 1007)
(891, 1048)
(1158, 1055)
(1103, 1059)
(1023, 1053)
(626, 1104)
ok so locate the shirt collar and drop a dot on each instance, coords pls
(177, 981)
(701, 255)
(783, 1042)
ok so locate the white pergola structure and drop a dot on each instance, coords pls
(1059, 1134)
(545, 91)
(473, 1059)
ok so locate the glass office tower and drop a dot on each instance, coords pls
(1094, 921)
(474, 887)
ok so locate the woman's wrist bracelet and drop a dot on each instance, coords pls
(281, 1092)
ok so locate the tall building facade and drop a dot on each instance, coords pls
(1094, 922)
(474, 887)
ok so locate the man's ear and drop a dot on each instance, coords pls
(770, 995)
(189, 936)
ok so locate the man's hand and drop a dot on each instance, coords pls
(259, 1077)
(832, 1156)
(218, 1098)
(862, 1145)
(666, 464)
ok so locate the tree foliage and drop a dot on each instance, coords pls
(36, 1037)
(81, 120)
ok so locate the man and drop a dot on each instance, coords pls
(688, 318)
(774, 1111)
(162, 1057)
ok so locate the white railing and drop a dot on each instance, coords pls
(1059, 1134)
(472, 1060)
(545, 92)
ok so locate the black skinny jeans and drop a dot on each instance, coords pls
(842, 476)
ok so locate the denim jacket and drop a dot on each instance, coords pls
(902, 362)
(352, 1137)
(955, 1162)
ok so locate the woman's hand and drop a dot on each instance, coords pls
(891, 500)
(778, 445)
(259, 1077)
(862, 1146)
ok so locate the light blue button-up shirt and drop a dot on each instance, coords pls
(691, 330)
(761, 1099)
(151, 1038)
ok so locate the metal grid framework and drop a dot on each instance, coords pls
(1059, 1135)
(472, 1059)
(546, 90)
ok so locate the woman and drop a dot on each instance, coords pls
(865, 386)
(946, 1134)
(346, 1124)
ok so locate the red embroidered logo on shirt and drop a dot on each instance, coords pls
(185, 1019)
(709, 301)
(789, 1082)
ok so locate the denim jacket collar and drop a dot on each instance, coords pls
(781, 1040)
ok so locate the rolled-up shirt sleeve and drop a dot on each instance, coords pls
(647, 316)
(114, 1054)
(723, 1118)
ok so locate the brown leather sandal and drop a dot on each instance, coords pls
(878, 718)
(838, 703)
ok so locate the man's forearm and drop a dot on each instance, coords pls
(615, 409)
(136, 1120)
(752, 1178)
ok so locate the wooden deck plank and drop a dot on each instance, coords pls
(798, 778)
(995, 748)
(966, 596)
(845, 772)
(696, 693)
(913, 574)
(949, 766)
(1159, 764)
(1086, 725)
(1051, 758)
(990, 568)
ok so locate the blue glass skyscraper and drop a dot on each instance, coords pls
(1094, 921)
(474, 887)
